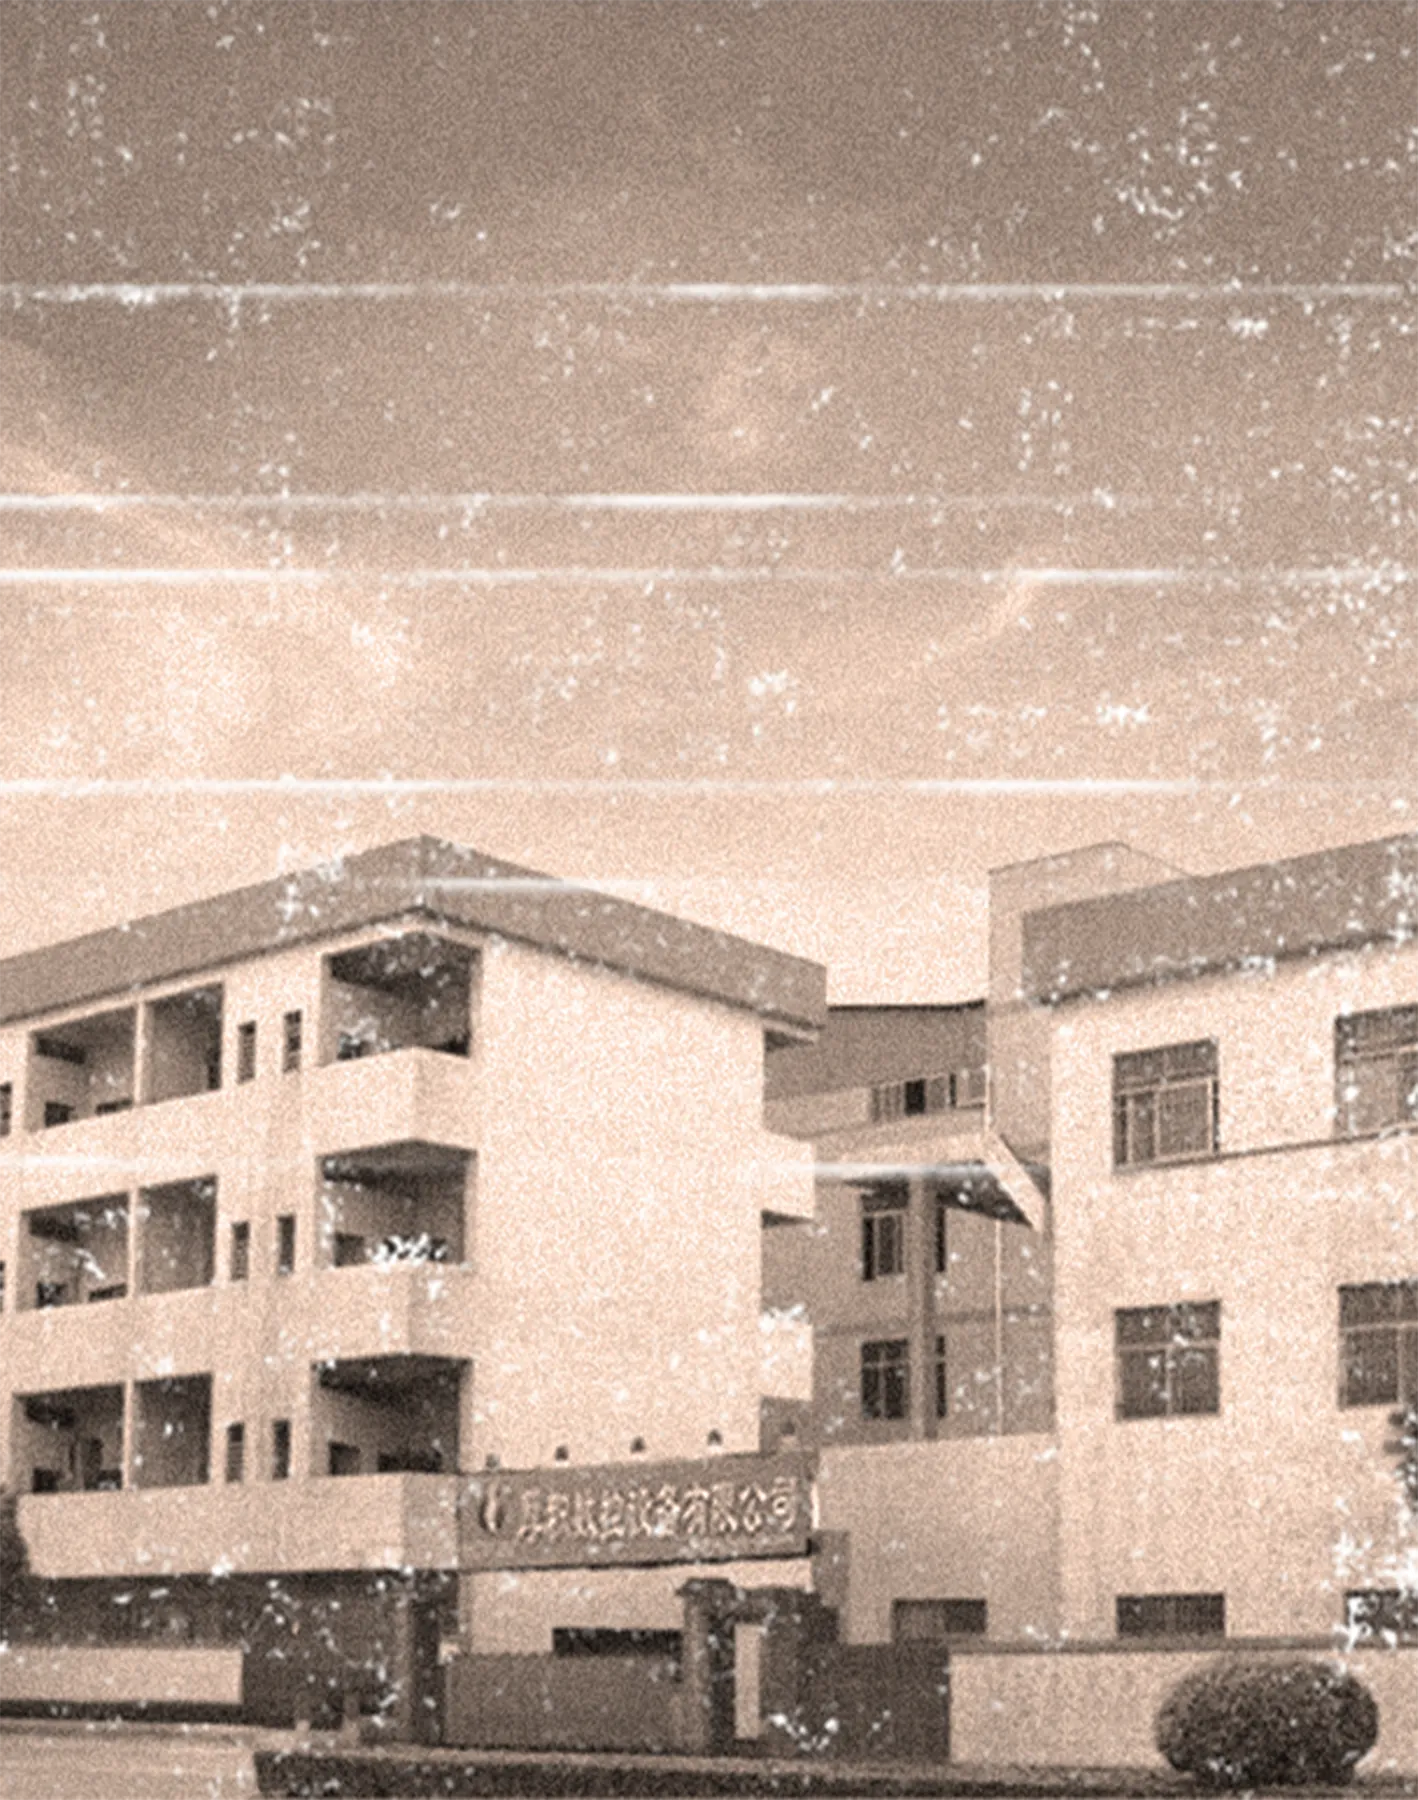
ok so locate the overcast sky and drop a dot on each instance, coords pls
(775, 461)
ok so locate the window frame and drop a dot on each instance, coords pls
(285, 1244)
(1163, 1615)
(292, 1040)
(883, 1213)
(1400, 1324)
(246, 1051)
(1395, 1047)
(885, 1366)
(1143, 1081)
(234, 1460)
(1178, 1346)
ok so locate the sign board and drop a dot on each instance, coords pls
(716, 1509)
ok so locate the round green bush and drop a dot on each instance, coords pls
(1276, 1722)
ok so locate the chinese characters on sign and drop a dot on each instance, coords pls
(671, 1512)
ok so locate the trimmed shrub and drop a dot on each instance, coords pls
(1248, 1722)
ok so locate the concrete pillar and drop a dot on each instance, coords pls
(708, 1666)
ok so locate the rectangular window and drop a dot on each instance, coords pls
(1171, 1615)
(1378, 1334)
(280, 1450)
(246, 1051)
(1166, 1103)
(909, 1099)
(7, 1107)
(290, 1048)
(884, 1232)
(236, 1452)
(932, 1621)
(1376, 1070)
(2, 1286)
(1389, 1615)
(942, 1380)
(885, 1379)
(285, 1244)
(1168, 1360)
(240, 1266)
(57, 1112)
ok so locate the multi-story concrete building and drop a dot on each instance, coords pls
(1136, 1404)
(319, 1194)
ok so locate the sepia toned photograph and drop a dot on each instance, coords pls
(708, 898)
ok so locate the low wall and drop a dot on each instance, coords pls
(73, 1675)
(562, 1703)
(1094, 1706)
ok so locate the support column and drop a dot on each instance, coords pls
(920, 1290)
(708, 1668)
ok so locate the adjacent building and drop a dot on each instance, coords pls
(1136, 1404)
(317, 1196)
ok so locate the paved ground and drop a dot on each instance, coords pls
(106, 1762)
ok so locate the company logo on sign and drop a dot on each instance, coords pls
(669, 1512)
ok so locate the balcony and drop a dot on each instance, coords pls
(390, 1521)
(384, 1309)
(401, 1096)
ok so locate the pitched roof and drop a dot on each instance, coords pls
(423, 875)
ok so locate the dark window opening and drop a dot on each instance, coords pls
(57, 1112)
(1166, 1103)
(1168, 1360)
(932, 1621)
(1376, 1070)
(1386, 1615)
(240, 1249)
(280, 1449)
(285, 1244)
(885, 1379)
(884, 1233)
(246, 1051)
(1378, 1331)
(1171, 1615)
(291, 1043)
(236, 1452)
(603, 1640)
(7, 1107)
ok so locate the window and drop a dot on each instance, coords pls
(236, 1452)
(7, 1107)
(931, 1621)
(290, 1050)
(885, 1379)
(57, 1112)
(1171, 1615)
(883, 1233)
(1165, 1103)
(2, 1285)
(908, 1099)
(280, 1450)
(1378, 1331)
(240, 1250)
(942, 1380)
(1168, 1360)
(285, 1244)
(607, 1640)
(246, 1051)
(1376, 1069)
(56, 1050)
(1385, 1613)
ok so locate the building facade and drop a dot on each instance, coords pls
(319, 1197)
(1130, 1399)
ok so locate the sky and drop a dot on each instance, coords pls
(773, 461)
